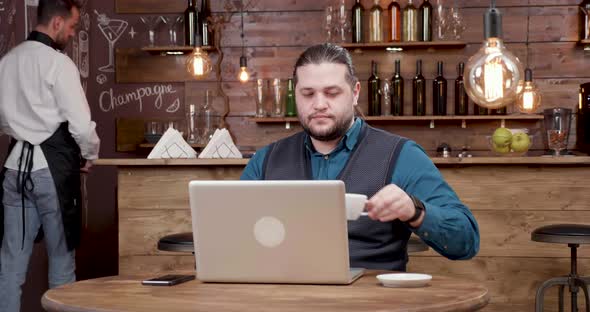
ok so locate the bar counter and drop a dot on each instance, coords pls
(509, 196)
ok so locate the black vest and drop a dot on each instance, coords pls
(372, 244)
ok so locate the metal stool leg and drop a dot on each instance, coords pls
(560, 302)
(582, 284)
(547, 284)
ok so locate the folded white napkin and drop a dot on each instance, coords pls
(172, 145)
(221, 145)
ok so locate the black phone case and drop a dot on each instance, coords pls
(168, 280)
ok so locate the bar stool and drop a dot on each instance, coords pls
(180, 242)
(573, 235)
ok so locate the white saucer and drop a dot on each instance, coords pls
(404, 279)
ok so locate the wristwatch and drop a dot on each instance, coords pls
(419, 206)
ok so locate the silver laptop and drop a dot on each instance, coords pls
(271, 232)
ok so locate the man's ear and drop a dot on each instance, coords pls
(356, 91)
(56, 23)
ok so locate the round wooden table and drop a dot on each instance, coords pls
(366, 294)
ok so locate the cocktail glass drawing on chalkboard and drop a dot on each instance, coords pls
(112, 29)
(151, 22)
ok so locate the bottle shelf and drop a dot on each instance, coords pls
(173, 50)
(431, 119)
(399, 46)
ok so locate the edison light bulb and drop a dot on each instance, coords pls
(530, 98)
(244, 76)
(493, 74)
(198, 64)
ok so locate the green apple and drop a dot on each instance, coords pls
(502, 137)
(501, 149)
(520, 142)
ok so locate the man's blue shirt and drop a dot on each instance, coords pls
(448, 226)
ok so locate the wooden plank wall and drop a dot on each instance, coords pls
(153, 202)
(276, 32)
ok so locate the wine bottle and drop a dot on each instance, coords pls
(189, 23)
(461, 98)
(395, 21)
(419, 92)
(397, 91)
(374, 94)
(376, 23)
(439, 92)
(479, 110)
(499, 111)
(410, 22)
(291, 109)
(357, 22)
(206, 29)
(198, 26)
(425, 20)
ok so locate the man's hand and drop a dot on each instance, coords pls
(391, 203)
(86, 167)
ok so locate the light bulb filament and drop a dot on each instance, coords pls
(493, 80)
(198, 66)
(527, 100)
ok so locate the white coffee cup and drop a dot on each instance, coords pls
(355, 204)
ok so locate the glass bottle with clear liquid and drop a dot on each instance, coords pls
(376, 23)
(410, 22)
(358, 13)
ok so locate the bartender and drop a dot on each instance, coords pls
(44, 110)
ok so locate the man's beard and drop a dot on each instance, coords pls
(335, 132)
(60, 42)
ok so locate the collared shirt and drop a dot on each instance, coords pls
(448, 227)
(39, 89)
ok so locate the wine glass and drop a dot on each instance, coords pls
(171, 23)
(343, 23)
(386, 103)
(328, 22)
(456, 23)
(557, 141)
(151, 22)
(441, 20)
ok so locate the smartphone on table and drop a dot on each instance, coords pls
(168, 280)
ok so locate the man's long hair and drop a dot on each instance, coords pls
(327, 53)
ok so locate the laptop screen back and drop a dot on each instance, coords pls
(270, 231)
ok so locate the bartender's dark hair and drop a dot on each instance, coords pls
(327, 53)
(47, 9)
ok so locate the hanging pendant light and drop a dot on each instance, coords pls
(530, 99)
(244, 76)
(198, 64)
(493, 73)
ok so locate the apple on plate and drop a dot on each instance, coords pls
(520, 142)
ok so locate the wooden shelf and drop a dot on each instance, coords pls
(430, 119)
(173, 50)
(411, 118)
(398, 46)
(585, 41)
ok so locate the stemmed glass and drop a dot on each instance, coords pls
(171, 22)
(456, 23)
(151, 22)
(441, 20)
(343, 24)
(386, 104)
(328, 22)
(557, 141)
